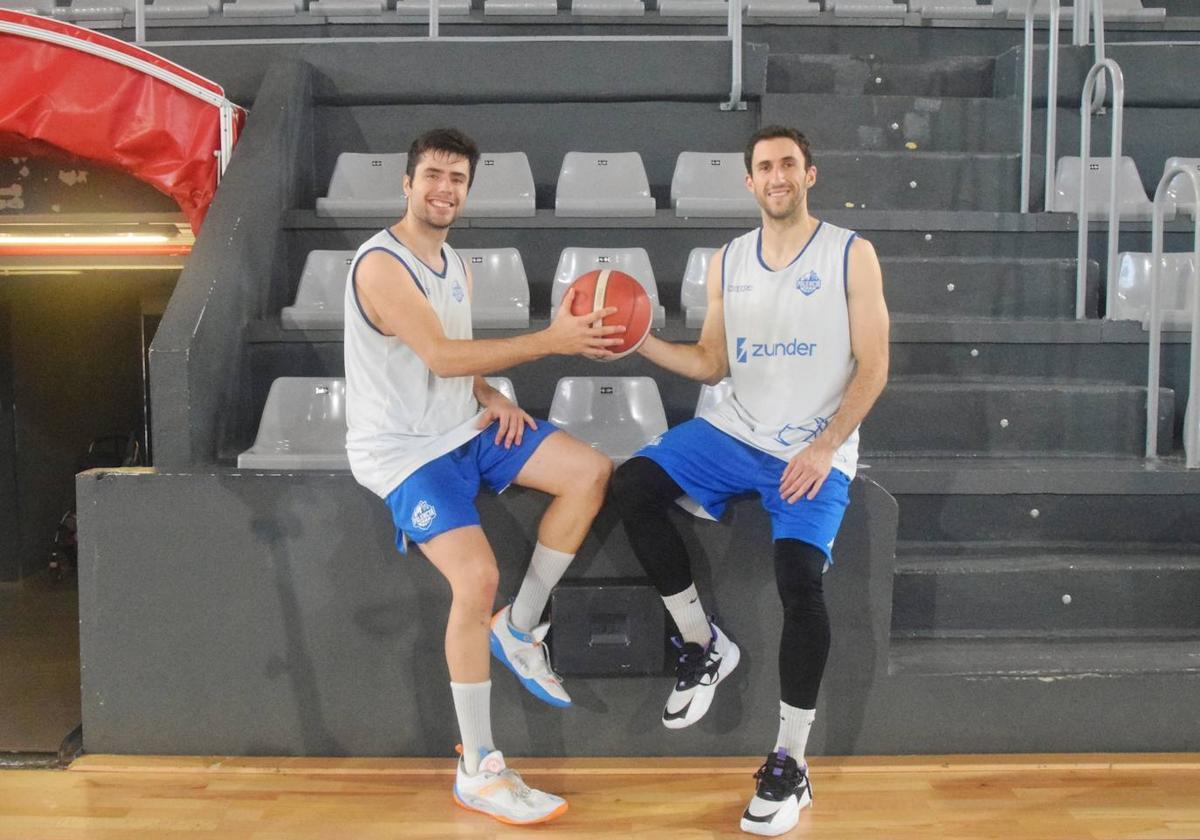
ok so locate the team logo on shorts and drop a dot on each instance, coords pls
(423, 515)
(458, 292)
(809, 283)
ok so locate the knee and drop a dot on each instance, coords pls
(476, 581)
(798, 573)
(595, 475)
(633, 488)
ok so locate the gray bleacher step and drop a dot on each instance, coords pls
(904, 180)
(983, 286)
(1046, 659)
(832, 121)
(997, 417)
(851, 75)
(944, 590)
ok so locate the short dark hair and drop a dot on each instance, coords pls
(770, 132)
(449, 140)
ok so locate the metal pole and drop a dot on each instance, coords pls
(139, 21)
(1114, 217)
(1085, 146)
(1052, 107)
(735, 102)
(433, 18)
(1027, 109)
(1155, 349)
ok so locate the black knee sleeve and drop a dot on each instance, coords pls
(643, 492)
(804, 642)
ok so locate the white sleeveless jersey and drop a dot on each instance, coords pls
(788, 339)
(399, 414)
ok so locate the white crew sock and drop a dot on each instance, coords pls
(689, 616)
(545, 568)
(473, 706)
(794, 726)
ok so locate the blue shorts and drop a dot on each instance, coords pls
(712, 466)
(440, 496)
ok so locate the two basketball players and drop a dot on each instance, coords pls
(796, 315)
(425, 429)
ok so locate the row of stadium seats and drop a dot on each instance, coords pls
(589, 184)
(303, 425)
(84, 11)
(703, 185)
(501, 292)
(500, 298)
(1133, 202)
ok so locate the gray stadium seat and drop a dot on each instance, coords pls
(420, 8)
(1180, 191)
(693, 8)
(1015, 10)
(866, 8)
(594, 184)
(623, 8)
(303, 424)
(186, 9)
(782, 8)
(320, 297)
(1132, 202)
(615, 414)
(693, 297)
(710, 395)
(1178, 284)
(1131, 10)
(365, 184)
(520, 7)
(262, 8)
(707, 184)
(31, 7)
(94, 11)
(500, 291)
(503, 187)
(951, 10)
(346, 8)
(635, 262)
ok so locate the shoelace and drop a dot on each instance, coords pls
(519, 789)
(691, 666)
(775, 786)
(530, 661)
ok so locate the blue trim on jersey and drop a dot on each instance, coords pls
(412, 273)
(724, 255)
(816, 230)
(846, 266)
(445, 261)
(354, 286)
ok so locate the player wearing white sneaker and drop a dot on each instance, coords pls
(501, 793)
(698, 671)
(425, 430)
(525, 654)
(782, 793)
(796, 317)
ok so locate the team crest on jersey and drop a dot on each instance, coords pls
(809, 283)
(423, 515)
(457, 291)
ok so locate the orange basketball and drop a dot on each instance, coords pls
(601, 289)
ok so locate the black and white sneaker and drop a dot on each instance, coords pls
(698, 671)
(783, 791)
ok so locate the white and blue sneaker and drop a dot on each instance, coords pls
(528, 656)
(698, 671)
(782, 793)
(500, 793)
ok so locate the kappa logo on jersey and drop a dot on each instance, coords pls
(744, 349)
(458, 292)
(809, 283)
(808, 431)
(423, 515)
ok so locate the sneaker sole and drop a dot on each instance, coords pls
(553, 815)
(734, 657)
(767, 830)
(529, 685)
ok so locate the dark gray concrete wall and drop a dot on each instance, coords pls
(225, 283)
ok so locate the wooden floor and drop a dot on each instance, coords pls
(1009, 797)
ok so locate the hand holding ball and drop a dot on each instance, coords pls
(604, 289)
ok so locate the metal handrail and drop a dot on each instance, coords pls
(1191, 418)
(734, 28)
(1085, 143)
(1051, 107)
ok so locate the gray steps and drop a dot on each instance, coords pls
(997, 417)
(907, 180)
(897, 123)
(1044, 660)
(846, 75)
(982, 286)
(1029, 590)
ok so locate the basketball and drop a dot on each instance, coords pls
(600, 289)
